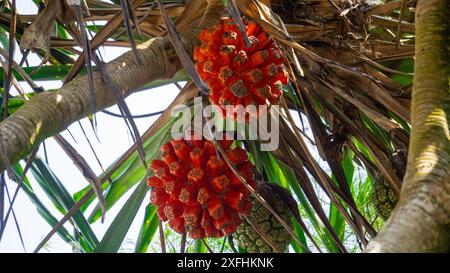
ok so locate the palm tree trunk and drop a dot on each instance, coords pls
(421, 220)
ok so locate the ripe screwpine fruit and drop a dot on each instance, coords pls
(237, 74)
(196, 191)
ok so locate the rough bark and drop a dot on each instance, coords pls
(51, 112)
(421, 220)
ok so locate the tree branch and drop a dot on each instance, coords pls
(421, 219)
(51, 112)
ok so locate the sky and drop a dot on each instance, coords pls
(114, 140)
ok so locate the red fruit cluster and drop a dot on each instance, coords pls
(237, 74)
(196, 191)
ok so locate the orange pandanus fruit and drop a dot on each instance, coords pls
(237, 74)
(196, 191)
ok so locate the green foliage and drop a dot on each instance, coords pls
(336, 219)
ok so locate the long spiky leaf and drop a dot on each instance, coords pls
(22, 178)
(126, 111)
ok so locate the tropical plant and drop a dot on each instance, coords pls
(359, 135)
